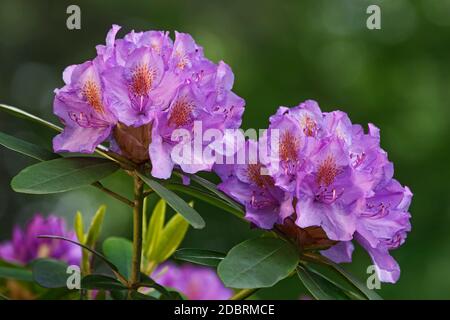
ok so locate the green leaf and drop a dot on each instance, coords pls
(98, 281)
(96, 227)
(154, 229)
(28, 116)
(148, 282)
(199, 256)
(369, 294)
(258, 263)
(213, 188)
(171, 238)
(111, 265)
(140, 296)
(16, 274)
(118, 294)
(120, 252)
(79, 227)
(178, 204)
(62, 175)
(50, 273)
(206, 197)
(320, 286)
(26, 148)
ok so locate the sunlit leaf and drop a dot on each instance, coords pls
(79, 227)
(177, 203)
(96, 227)
(171, 238)
(155, 228)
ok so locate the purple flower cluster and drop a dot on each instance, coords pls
(327, 173)
(137, 91)
(195, 282)
(25, 246)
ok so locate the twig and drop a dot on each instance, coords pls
(113, 194)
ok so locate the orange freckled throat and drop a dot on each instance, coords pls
(181, 113)
(327, 172)
(254, 175)
(142, 80)
(91, 92)
(289, 146)
(309, 126)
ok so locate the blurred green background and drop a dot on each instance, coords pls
(282, 52)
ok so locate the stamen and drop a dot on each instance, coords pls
(254, 175)
(142, 80)
(92, 94)
(289, 145)
(327, 171)
(182, 60)
(309, 126)
(181, 112)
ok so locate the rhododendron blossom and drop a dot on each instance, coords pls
(338, 178)
(195, 282)
(138, 91)
(25, 246)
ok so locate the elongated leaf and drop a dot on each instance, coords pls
(258, 263)
(213, 188)
(155, 228)
(62, 175)
(3, 297)
(320, 287)
(120, 252)
(171, 238)
(96, 227)
(79, 227)
(147, 282)
(199, 256)
(98, 281)
(111, 265)
(178, 204)
(15, 274)
(140, 296)
(28, 116)
(26, 148)
(50, 273)
(206, 197)
(369, 294)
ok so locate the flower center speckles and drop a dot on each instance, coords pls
(181, 113)
(182, 60)
(327, 171)
(92, 94)
(142, 80)
(289, 145)
(254, 175)
(309, 126)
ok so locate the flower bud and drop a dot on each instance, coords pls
(133, 142)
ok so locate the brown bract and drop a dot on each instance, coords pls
(134, 142)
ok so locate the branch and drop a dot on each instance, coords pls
(99, 186)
